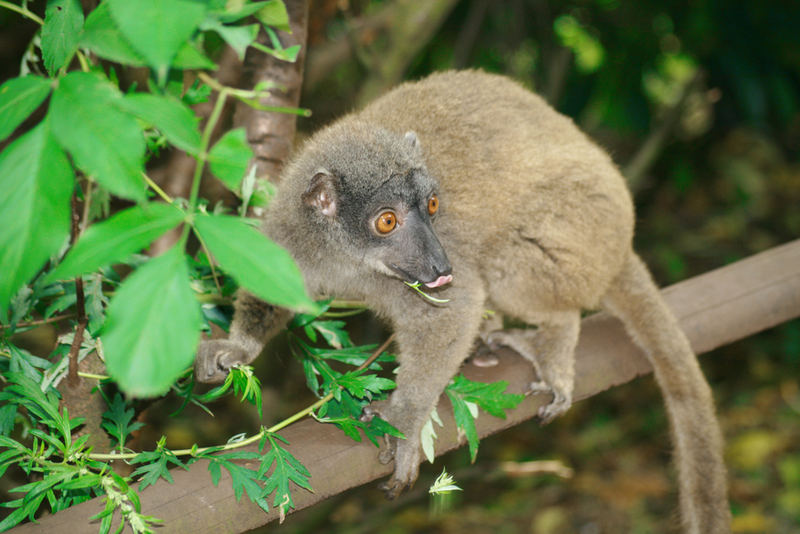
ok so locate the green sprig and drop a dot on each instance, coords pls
(415, 287)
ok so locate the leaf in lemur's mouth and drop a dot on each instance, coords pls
(415, 287)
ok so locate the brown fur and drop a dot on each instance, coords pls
(537, 223)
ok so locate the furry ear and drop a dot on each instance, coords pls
(412, 140)
(322, 193)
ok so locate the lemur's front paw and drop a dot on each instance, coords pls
(406, 468)
(215, 359)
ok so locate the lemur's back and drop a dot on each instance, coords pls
(538, 192)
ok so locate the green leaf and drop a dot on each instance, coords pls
(19, 97)
(175, 120)
(8, 416)
(238, 37)
(287, 469)
(102, 36)
(255, 262)
(152, 327)
(189, 57)
(155, 466)
(117, 420)
(63, 20)
(428, 435)
(229, 157)
(36, 179)
(465, 421)
(490, 397)
(274, 14)
(358, 385)
(334, 333)
(150, 473)
(242, 478)
(105, 142)
(157, 28)
(116, 238)
(232, 11)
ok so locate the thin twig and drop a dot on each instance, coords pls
(72, 377)
(22, 11)
(256, 437)
(154, 186)
(40, 322)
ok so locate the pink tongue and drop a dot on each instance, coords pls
(442, 280)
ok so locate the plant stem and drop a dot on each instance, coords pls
(80, 307)
(40, 322)
(22, 11)
(210, 262)
(254, 438)
(202, 157)
(154, 186)
(83, 61)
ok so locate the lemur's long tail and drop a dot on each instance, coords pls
(635, 299)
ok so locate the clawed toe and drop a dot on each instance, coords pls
(392, 488)
(558, 406)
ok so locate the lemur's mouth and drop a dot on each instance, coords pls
(407, 277)
(442, 280)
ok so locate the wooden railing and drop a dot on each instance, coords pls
(714, 309)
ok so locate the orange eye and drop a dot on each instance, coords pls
(386, 222)
(433, 205)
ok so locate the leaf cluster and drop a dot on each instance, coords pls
(347, 391)
(58, 463)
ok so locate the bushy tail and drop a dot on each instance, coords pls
(635, 299)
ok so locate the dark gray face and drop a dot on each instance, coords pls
(382, 204)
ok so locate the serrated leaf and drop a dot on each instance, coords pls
(63, 20)
(491, 397)
(175, 120)
(102, 36)
(116, 238)
(151, 472)
(37, 180)
(465, 421)
(117, 420)
(106, 143)
(157, 28)
(189, 57)
(238, 37)
(242, 478)
(359, 385)
(274, 14)
(229, 157)
(287, 469)
(255, 262)
(152, 327)
(19, 97)
(427, 437)
(334, 333)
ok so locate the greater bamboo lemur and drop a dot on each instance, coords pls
(475, 187)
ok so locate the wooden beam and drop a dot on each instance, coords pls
(715, 309)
